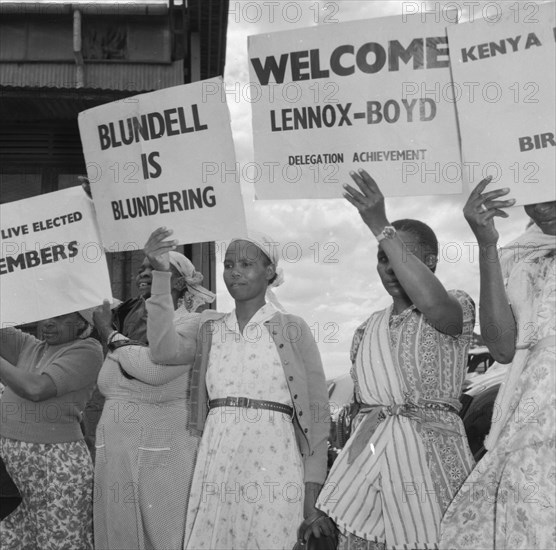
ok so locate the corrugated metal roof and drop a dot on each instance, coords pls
(43, 7)
(113, 76)
(47, 103)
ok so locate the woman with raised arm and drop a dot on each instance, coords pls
(145, 450)
(258, 395)
(509, 500)
(408, 454)
(48, 382)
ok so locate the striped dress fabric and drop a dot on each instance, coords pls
(395, 491)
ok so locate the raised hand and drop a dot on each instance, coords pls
(102, 318)
(481, 208)
(156, 249)
(369, 200)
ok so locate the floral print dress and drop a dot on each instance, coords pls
(248, 487)
(509, 500)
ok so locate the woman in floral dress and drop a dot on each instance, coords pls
(509, 500)
(259, 397)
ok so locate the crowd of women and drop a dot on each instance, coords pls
(214, 429)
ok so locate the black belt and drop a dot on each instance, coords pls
(251, 404)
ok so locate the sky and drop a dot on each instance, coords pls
(329, 255)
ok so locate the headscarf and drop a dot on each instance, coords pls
(513, 260)
(269, 247)
(195, 295)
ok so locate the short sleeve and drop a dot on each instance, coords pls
(468, 308)
(77, 367)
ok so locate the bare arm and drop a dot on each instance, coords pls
(418, 281)
(498, 326)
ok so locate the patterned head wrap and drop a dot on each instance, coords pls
(195, 295)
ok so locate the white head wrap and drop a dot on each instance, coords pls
(271, 249)
(195, 295)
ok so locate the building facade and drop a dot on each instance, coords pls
(57, 59)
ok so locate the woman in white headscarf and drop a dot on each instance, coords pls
(509, 500)
(259, 398)
(145, 453)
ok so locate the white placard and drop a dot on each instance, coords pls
(52, 261)
(504, 80)
(361, 94)
(156, 160)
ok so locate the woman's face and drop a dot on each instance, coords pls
(144, 278)
(385, 271)
(246, 271)
(544, 215)
(62, 329)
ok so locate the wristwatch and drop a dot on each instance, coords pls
(387, 233)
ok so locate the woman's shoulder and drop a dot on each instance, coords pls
(90, 345)
(210, 315)
(285, 318)
(467, 303)
(207, 317)
(460, 295)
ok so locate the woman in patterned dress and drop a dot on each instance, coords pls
(509, 500)
(145, 453)
(408, 454)
(262, 457)
(48, 382)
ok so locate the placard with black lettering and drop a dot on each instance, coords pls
(362, 94)
(52, 261)
(150, 160)
(504, 77)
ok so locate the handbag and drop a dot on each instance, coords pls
(344, 423)
(322, 543)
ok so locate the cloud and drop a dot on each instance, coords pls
(331, 279)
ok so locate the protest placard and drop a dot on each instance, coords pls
(52, 261)
(361, 94)
(504, 82)
(151, 161)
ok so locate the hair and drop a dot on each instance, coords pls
(425, 235)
